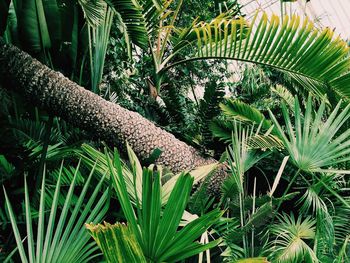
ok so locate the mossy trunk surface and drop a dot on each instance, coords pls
(112, 123)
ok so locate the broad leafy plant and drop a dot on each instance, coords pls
(314, 58)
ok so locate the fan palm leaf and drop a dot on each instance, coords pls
(63, 238)
(313, 142)
(290, 240)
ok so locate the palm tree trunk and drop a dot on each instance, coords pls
(110, 122)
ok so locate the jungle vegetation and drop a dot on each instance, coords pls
(110, 154)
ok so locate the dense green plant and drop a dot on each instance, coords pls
(156, 228)
(314, 144)
(260, 224)
(133, 171)
(314, 239)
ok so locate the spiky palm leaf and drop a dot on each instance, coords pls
(313, 143)
(241, 157)
(140, 17)
(63, 237)
(133, 172)
(156, 228)
(315, 58)
(224, 129)
(98, 42)
(285, 95)
(132, 17)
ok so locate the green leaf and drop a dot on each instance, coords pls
(313, 142)
(261, 216)
(117, 242)
(156, 228)
(4, 8)
(253, 260)
(66, 239)
(288, 239)
(311, 56)
(33, 27)
(94, 11)
(236, 109)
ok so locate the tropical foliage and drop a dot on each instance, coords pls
(272, 184)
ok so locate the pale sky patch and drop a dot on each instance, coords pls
(334, 14)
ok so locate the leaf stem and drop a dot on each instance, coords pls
(288, 188)
(44, 150)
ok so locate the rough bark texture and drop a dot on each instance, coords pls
(110, 122)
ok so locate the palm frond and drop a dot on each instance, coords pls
(63, 237)
(131, 16)
(289, 239)
(343, 255)
(94, 11)
(313, 143)
(341, 222)
(223, 130)
(285, 95)
(236, 109)
(140, 17)
(98, 42)
(264, 141)
(292, 46)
